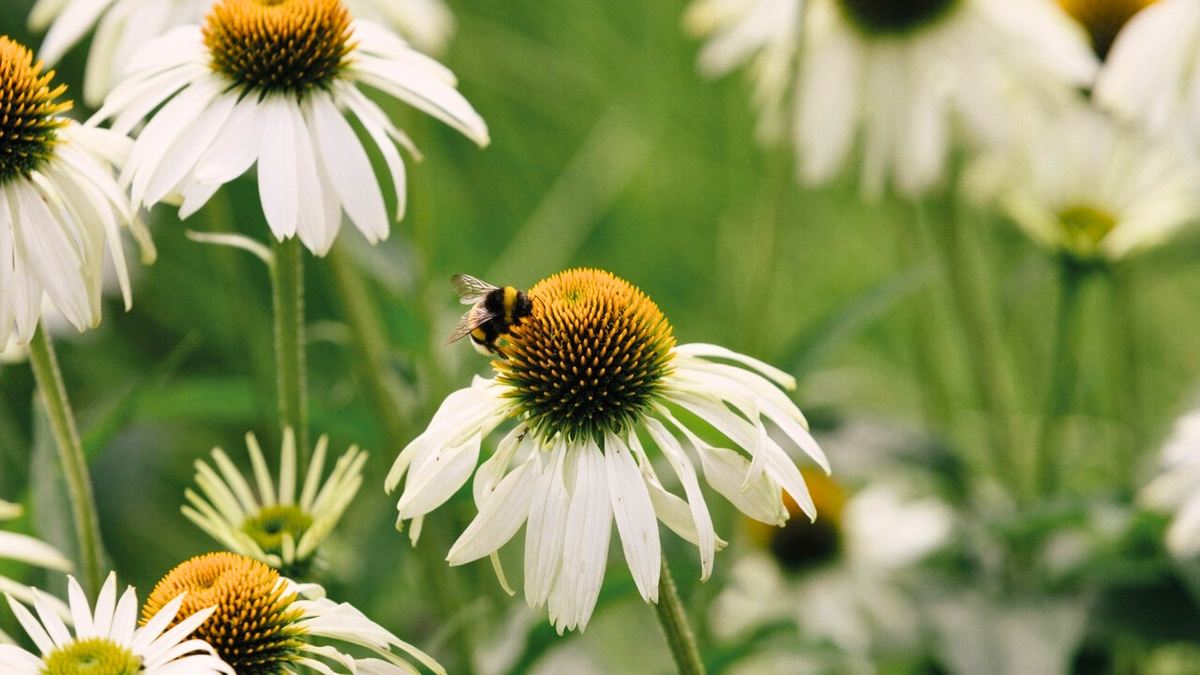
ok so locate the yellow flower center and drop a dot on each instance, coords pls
(590, 358)
(278, 45)
(894, 17)
(1103, 18)
(268, 527)
(253, 628)
(802, 544)
(94, 656)
(28, 111)
(1084, 227)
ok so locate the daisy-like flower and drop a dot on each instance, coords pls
(1149, 76)
(265, 81)
(123, 26)
(904, 81)
(30, 551)
(108, 641)
(1092, 188)
(1177, 489)
(593, 367)
(838, 577)
(59, 203)
(1104, 18)
(274, 526)
(265, 624)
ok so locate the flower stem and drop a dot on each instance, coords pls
(70, 454)
(678, 632)
(1062, 377)
(1129, 384)
(287, 286)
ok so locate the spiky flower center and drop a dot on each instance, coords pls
(278, 45)
(1103, 18)
(28, 112)
(894, 17)
(93, 656)
(802, 544)
(1084, 227)
(591, 357)
(254, 627)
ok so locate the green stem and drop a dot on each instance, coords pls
(935, 399)
(371, 343)
(973, 306)
(1128, 366)
(1062, 378)
(70, 454)
(678, 632)
(287, 286)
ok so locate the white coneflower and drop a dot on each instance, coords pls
(595, 365)
(123, 26)
(265, 81)
(1149, 76)
(1177, 489)
(765, 35)
(59, 203)
(108, 641)
(1092, 188)
(1104, 19)
(906, 81)
(265, 624)
(838, 577)
(274, 526)
(30, 551)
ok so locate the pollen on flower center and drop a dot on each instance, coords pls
(93, 656)
(278, 45)
(1084, 227)
(253, 628)
(28, 112)
(1103, 18)
(803, 544)
(892, 17)
(591, 356)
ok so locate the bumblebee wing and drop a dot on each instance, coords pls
(469, 322)
(470, 290)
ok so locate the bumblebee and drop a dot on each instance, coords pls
(494, 310)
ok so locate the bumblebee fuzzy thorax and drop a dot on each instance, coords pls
(589, 357)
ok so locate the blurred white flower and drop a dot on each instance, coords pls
(266, 623)
(1104, 19)
(266, 82)
(595, 364)
(30, 551)
(122, 27)
(109, 640)
(60, 204)
(1149, 76)
(1092, 187)
(979, 635)
(904, 81)
(1177, 488)
(276, 527)
(764, 35)
(839, 577)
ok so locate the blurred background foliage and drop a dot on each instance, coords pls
(608, 151)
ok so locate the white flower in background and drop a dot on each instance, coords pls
(109, 641)
(60, 204)
(838, 577)
(24, 549)
(265, 623)
(266, 82)
(593, 366)
(1092, 188)
(1177, 488)
(1149, 76)
(906, 81)
(274, 526)
(1104, 19)
(122, 27)
(764, 35)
